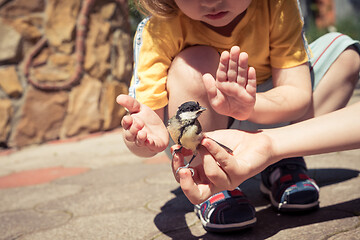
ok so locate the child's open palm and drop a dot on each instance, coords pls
(233, 92)
(143, 126)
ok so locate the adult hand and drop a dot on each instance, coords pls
(221, 170)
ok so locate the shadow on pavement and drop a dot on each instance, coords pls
(172, 219)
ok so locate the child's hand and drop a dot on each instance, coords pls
(233, 92)
(142, 127)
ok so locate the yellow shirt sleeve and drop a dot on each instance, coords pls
(154, 43)
(287, 41)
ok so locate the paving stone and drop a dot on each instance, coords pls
(28, 197)
(121, 173)
(130, 224)
(37, 176)
(317, 230)
(344, 195)
(18, 223)
(348, 235)
(99, 200)
(338, 160)
(101, 151)
(123, 196)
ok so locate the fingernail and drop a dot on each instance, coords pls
(183, 175)
(205, 143)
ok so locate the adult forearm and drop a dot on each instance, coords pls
(335, 131)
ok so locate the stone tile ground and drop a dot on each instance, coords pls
(122, 196)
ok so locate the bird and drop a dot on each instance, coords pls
(185, 129)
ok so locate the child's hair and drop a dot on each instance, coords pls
(159, 8)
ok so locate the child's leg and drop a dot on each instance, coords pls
(184, 83)
(335, 71)
(232, 211)
(336, 87)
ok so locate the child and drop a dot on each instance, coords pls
(177, 59)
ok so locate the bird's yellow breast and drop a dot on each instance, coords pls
(190, 136)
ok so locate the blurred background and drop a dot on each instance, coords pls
(63, 62)
(322, 16)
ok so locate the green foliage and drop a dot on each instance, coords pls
(135, 16)
(349, 26)
(312, 32)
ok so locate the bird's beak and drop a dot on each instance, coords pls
(200, 111)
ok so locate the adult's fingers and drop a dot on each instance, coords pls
(196, 193)
(226, 160)
(177, 161)
(217, 176)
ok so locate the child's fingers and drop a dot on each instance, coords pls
(126, 122)
(141, 138)
(221, 73)
(233, 64)
(242, 77)
(131, 133)
(209, 83)
(150, 143)
(251, 84)
(131, 104)
(129, 136)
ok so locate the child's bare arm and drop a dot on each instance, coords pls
(144, 131)
(233, 92)
(288, 100)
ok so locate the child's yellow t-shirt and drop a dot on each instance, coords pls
(270, 33)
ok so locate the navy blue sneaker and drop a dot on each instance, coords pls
(226, 211)
(289, 187)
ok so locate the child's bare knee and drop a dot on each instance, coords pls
(201, 58)
(351, 62)
(189, 66)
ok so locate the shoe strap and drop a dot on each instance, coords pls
(208, 207)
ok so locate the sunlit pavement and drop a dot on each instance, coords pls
(94, 188)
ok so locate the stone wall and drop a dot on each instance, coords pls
(62, 64)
